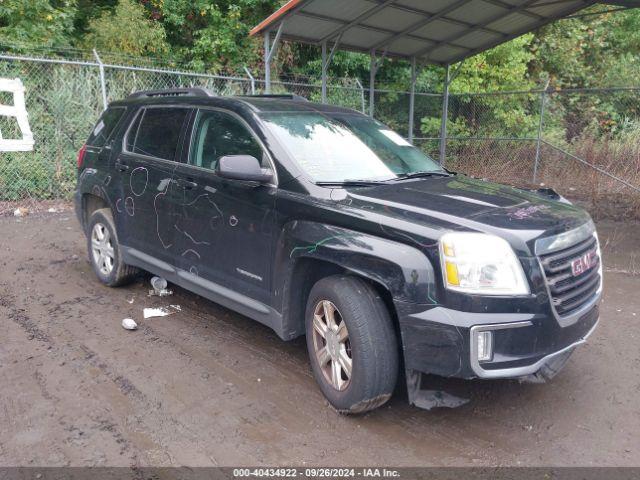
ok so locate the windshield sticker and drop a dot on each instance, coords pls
(395, 138)
(17, 111)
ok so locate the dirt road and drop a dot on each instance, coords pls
(208, 387)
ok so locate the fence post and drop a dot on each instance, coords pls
(103, 83)
(445, 115)
(253, 80)
(543, 98)
(362, 99)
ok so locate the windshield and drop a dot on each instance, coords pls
(336, 148)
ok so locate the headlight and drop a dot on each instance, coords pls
(482, 264)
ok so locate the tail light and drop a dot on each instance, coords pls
(81, 154)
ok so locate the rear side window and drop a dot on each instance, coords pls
(156, 132)
(105, 126)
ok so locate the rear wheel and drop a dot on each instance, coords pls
(104, 250)
(351, 344)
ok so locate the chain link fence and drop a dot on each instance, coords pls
(584, 143)
(63, 100)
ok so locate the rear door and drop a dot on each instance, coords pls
(147, 165)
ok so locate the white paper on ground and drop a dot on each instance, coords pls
(161, 311)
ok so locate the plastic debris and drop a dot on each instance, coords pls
(428, 399)
(548, 370)
(160, 293)
(161, 312)
(129, 324)
(159, 285)
(52, 210)
(21, 212)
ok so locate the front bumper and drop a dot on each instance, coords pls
(441, 341)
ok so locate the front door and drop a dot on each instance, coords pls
(225, 227)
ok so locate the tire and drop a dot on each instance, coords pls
(104, 251)
(370, 345)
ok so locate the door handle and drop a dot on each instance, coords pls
(121, 167)
(187, 184)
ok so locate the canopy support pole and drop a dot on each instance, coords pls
(267, 63)
(445, 115)
(412, 98)
(449, 78)
(269, 52)
(372, 84)
(375, 65)
(324, 72)
(326, 61)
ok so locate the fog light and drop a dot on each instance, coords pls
(484, 342)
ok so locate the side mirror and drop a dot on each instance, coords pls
(243, 167)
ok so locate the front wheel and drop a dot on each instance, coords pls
(351, 343)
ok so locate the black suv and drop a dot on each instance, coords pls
(320, 221)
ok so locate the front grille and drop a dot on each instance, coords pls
(568, 292)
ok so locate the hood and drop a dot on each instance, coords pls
(463, 203)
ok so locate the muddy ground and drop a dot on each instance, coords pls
(209, 387)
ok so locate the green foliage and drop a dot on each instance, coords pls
(212, 36)
(126, 30)
(594, 51)
(36, 22)
(62, 103)
(504, 67)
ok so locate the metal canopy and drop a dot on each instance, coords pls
(439, 32)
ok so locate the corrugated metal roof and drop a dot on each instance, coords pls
(433, 31)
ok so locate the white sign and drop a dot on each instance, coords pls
(18, 111)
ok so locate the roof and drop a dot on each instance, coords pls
(435, 31)
(202, 97)
(264, 104)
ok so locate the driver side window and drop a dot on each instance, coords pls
(218, 134)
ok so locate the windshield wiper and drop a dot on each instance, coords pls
(353, 183)
(407, 176)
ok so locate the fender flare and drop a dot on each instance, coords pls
(403, 270)
(92, 184)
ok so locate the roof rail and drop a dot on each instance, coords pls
(173, 92)
(289, 96)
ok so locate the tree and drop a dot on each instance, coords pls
(128, 30)
(36, 22)
(591, 51)
(212, 36)
(598, 50)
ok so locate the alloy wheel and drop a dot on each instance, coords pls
(331, 345)
(102, 249)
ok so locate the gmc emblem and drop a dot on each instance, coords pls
(584, 263)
